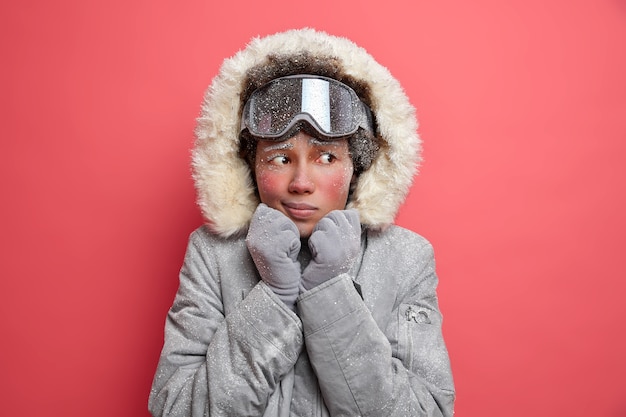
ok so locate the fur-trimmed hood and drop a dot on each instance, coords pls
(226, 191)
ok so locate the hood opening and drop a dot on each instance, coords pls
(222, 175)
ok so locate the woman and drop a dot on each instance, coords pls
(299, 297)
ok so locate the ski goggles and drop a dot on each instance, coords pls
(332, 108)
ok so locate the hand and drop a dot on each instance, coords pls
(274, 243)
(335, 244)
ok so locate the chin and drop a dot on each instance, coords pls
(305, 230)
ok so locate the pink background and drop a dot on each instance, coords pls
(522, 107)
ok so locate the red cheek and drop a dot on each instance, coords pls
(268, 183)
(337, 184)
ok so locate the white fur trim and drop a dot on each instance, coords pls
(225, 190)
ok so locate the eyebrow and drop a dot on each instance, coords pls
(281, 146)
(317, 142)
(278, 147)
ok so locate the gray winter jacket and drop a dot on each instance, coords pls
(372, 337)
(367, 343)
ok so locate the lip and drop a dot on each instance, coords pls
(299, 210)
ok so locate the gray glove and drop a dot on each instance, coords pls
(335, 244)
(274, 243)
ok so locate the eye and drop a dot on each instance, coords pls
(278, 160)
(327, 158)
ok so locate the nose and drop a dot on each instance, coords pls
(302, 181)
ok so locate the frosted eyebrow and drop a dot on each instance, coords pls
(317, 142)
(281, 146)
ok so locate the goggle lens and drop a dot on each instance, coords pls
(331, 107)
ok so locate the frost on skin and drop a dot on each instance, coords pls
(304, 178)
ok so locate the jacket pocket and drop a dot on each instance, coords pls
(414, 326)
(421, 347)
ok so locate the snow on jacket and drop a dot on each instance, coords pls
(365, 343)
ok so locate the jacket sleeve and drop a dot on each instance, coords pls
(363, 370)
(217, 364)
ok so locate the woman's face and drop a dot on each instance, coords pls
(304, 178)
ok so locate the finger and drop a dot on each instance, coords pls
(353, 218)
